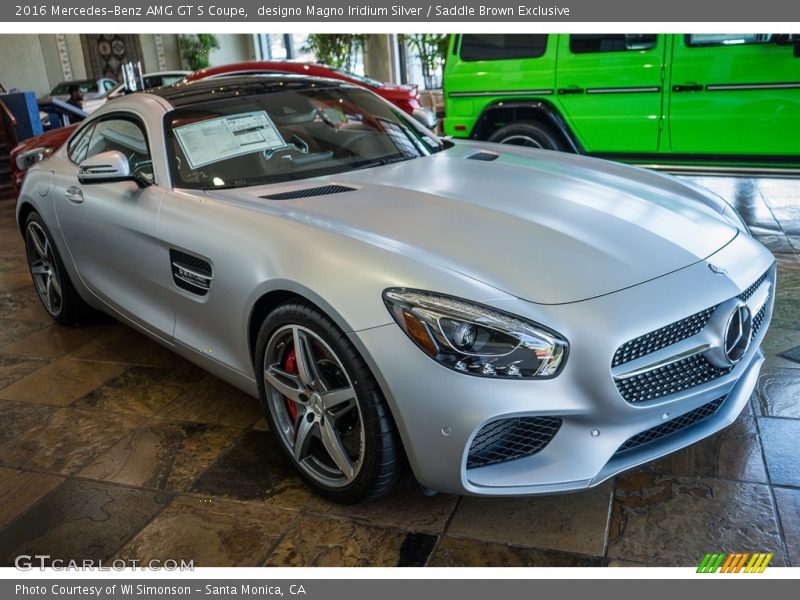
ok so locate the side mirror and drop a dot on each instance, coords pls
(425, 116)
(106, 167)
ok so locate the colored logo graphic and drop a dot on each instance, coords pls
(740, 562)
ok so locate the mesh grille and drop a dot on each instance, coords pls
(507, 439)
(661, 338)
(675, 332)
(309, 192)
(673, 378)
(745, 295)
(758, 320)
(675, 425)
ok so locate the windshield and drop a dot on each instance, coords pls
(274, 136)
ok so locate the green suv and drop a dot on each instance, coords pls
(696, 99)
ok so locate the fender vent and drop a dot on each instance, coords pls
(190, 273)
(325, 190)
(483, 155)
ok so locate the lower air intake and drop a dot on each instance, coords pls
(509, 439)
(676, 425)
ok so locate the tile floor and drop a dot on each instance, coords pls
(112, 447)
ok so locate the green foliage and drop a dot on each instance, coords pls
(339, 50)
(195, 49)
(432, 50)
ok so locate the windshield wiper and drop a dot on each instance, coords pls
(379, 162)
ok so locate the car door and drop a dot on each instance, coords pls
(734, 94)
(610, 86)
(110, 228)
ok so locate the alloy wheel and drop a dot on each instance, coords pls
(314, 405)
(42, 263)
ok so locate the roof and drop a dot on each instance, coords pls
(204, 90)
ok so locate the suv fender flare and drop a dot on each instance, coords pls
(540, 109)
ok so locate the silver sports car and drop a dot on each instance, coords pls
(507, 321)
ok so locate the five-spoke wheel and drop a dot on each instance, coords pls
(324, 406)
(45, 273)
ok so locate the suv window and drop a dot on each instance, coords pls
(727, 39)
(502, 46)
(611, 42)
(126, 136)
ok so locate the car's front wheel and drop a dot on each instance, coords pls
(50, 278)
(325, 407)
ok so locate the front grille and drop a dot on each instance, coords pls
(745, 295)
(508, 439)
(670, 379)
(661, 338)
(683, 374)
(659, 432)
(758, 320)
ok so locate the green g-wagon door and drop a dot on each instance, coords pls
(610, 88)
(734, 94)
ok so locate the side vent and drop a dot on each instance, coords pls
(309, 192)
(190, 273)
(483, 155)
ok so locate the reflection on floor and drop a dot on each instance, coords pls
(111, 446)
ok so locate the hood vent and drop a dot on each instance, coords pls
(309, 192)
(483, 155)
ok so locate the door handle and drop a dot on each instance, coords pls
(573, 89)
(688, 87)
(74, 194)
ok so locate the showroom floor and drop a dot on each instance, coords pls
(112, 447)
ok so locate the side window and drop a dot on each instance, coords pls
(508, 46)
(727, 39)
(78, 145)
(611, 42)
(109, 85)
(128, 137)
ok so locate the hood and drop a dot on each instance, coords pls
(547, 227)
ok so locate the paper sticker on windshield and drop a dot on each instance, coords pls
(218, 139)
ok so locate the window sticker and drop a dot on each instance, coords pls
(218, 139)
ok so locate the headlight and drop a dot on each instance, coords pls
(476, 339)
(30, 157)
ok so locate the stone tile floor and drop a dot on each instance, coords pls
(112, 447)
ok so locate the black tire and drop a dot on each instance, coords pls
(361, 427)
(529, 134)
(50, 279)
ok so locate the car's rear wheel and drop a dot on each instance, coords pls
(50, 278)
(325, 407)
(528, 134)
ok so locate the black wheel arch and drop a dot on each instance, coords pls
(499, 112)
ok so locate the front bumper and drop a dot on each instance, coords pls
(438, 411)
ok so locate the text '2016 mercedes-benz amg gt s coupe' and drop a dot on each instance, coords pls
(507, 321)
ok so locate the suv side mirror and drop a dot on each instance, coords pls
(106, 167)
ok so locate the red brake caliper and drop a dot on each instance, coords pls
(290, 366)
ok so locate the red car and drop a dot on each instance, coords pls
(405, 97)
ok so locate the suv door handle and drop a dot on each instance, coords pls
(573, 89)
(74, 194)
(688, 87)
